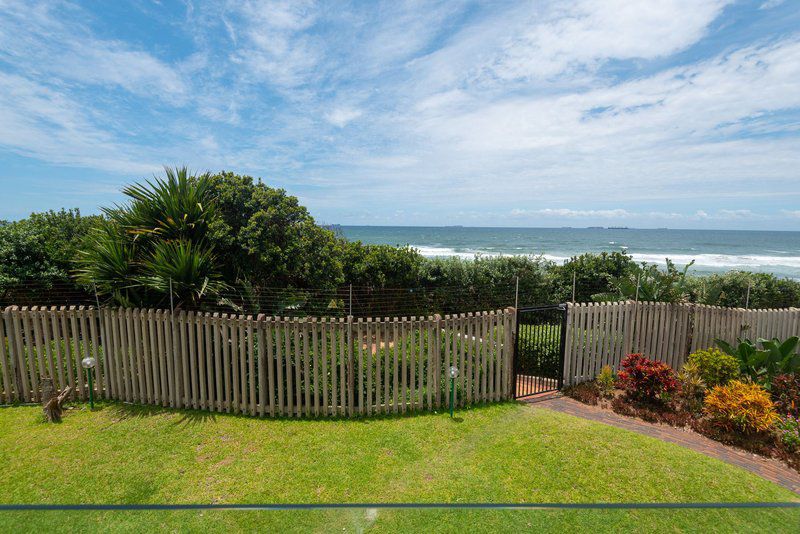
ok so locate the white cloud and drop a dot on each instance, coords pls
(342, 116)
(41, 122)
(584, 34)
(565, 212)
(271, 40)
(769, 4)
(41, 38)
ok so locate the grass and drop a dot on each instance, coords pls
(502, 453)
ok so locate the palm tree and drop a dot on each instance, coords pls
(155, 244)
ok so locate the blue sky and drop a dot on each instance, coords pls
(664, 113)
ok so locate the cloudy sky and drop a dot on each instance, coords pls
(676, 113)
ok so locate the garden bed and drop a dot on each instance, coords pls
(736, 411)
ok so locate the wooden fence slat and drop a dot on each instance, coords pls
(15, 370)
(186, 387)
(163, 351)
(5, 365)
(449, 351)
(152, 356)
(342, 356)
(306, 368)
(265, 347)
(395, 360)
(324, 332)
(378, 365)
(65, 337)
(208, 398)
(370, 370)
(127, 341)
(244, 389)
(279, 365)
(289, 370)
(37, 336)
(29, 353)
(235, 382)
(386, 356)
(99, 379)
(333, 405)
(360, 356)
(350, 369)
(136, 355)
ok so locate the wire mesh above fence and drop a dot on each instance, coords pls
(285, 302)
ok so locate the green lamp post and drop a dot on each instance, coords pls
(88, 364)
(453, 375)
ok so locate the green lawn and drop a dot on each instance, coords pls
(501, 453)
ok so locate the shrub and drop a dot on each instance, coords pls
(605, 381)
(740, 406)
(765, 358)
(585, 392)
(692, 387)
(786, 393)
(788, 429)
(715, 367)
(646, 379)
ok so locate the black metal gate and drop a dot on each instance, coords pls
(539, 349)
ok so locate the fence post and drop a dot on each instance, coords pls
(511, 349)
(747, 297)
(351, 387)
(437, 362)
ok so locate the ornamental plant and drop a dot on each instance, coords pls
(605, 381)
(740, 406)
(714, 366)
(786, 393)
(646, 379)
(788, 430)
(692, 387)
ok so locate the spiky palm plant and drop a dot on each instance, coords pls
(187, 269)
(157, 237)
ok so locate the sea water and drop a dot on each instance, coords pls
(712, 250)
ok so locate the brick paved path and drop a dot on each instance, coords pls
(770, 469)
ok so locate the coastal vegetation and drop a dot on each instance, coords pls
(221, 238)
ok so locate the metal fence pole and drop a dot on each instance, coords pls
(516, 294)
(747, 297)
(574, 277)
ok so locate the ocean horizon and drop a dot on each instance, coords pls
(713, 251)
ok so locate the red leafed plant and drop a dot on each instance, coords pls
(646, 379)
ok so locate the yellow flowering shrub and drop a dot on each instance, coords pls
(740, 406)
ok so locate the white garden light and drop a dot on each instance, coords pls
(453, 375)
(88, 363)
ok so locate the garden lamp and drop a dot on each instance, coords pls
(453, 375)
(88, 364)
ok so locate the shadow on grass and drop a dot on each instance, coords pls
(122, 411)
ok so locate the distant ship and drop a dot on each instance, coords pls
(617, 227)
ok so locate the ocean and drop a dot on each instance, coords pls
(712, 250)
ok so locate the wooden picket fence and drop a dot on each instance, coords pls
(603, 333)
(265, 366)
